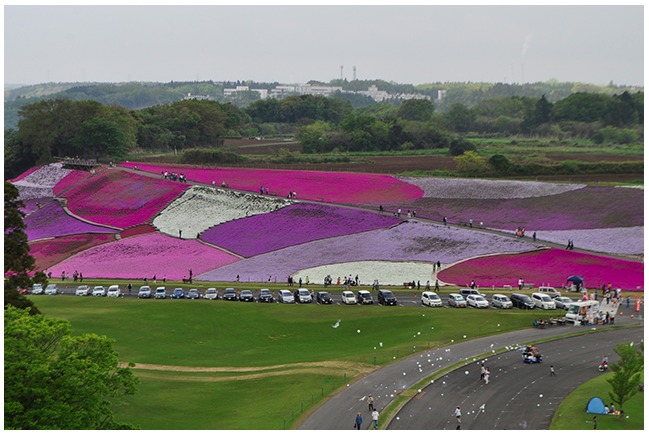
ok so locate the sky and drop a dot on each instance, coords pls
(297, 43)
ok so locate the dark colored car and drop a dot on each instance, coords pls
(193, 294)
(265, 296)
(364, 297)
(247, 296)
(323, 298)
(387, 298)
(522, 301)
(230, 294)
(178, 293)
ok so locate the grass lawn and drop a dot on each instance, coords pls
(255, 365)
(571, 414)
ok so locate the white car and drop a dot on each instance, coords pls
(145, 292)
(37, 289)
(114, 291)
(477, 301)
(211, 294)
(431, 299)
(98, 291)
(543, 301)
(82, 291)
(501, 301)
(303, 296)
(348, 297)
(285, 296)
(456, 300)
(160, 292)
(51, 289)
(563, 302)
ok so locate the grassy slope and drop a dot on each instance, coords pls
(204, 333)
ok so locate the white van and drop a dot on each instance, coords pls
(431, 299)
(501, 301)
(543, 301)
(550, 291)
(580, 310)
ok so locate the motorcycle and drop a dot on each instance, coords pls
(603, 367)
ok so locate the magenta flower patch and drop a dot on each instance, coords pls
(337, 187)
(146, 255)
(49, 252)
(121, 199)
(547, 267)
(293, 225)
(52, 220)
(72, 179)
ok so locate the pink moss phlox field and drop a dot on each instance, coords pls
(292, 225)
(49, 252)
(587, 208)
(409, 241)
(74, 178)
(549, 267)
(52, 220)
(337, 187)
(25, 174)
(39, 183)
(31, 205)
(146, 255)
(120, 198)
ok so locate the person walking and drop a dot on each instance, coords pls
(458, 415)
(358, 422)
(375, 418)
(436, 286)
(370, 403)
(487, 373)
(552, 373)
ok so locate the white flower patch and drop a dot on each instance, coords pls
(388, 273)
(40, 183)
(200, 208)
(623, 240)
(460, 188)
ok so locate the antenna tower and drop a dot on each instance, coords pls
(354, 72)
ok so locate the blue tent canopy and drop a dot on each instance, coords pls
(595, 406)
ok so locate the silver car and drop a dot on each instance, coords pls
(51, 289)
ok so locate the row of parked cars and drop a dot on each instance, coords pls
(475, 298)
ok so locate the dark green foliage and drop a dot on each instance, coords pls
(210, 156)
(459, 146)
(54, 380)
(612, 135)
(420, 110)
(500, 163)
(627, 373)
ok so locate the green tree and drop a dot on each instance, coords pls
(627, 373)
(459, 118)
(470, 164)
(420, 110)
(313, 137)
(99, 136)
(54, 380)
(18, 262)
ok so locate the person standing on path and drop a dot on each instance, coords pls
(359, 421)
(375, 418)
(370, 403)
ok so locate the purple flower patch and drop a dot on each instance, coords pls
(293, 225)
(52, 221)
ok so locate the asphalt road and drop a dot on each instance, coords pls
(338, 412)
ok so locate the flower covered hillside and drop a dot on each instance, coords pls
(52, 221)
(200, 208)
(40, 183)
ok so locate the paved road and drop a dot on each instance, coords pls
(338, 412)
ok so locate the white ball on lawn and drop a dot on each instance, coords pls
(358, 331)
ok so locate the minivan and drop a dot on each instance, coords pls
(431, 299)
(285, 296)
(501, 301)
(456, 300)
(522, 301)
(386, 298)
(303, 296)
(550, 291)
(543, 301)
(466, 292)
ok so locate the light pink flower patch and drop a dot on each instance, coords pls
(338, 187)
(146, 255)
(547, 267)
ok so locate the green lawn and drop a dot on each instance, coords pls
(571, 414)
(184, 333)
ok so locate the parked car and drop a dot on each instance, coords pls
(51, 289)
(456, 300)
(522, 301)
(160, 293)
(193, 294)
(82, 291)
(501, 301)
(265, 296)
(563, 302)
(37, 289)
(98, 291)
(144, 292)
(178, 293)
(114, 291)
(247, 296)
(550, 291)
(285, 296)
(348, 297)
(431, 299)
(466, 292)
(364, 297)
(543, 301)
(211, 294)
(323, 298)
(303, 296)
(229, 294)
(386, 297)
(477, 301)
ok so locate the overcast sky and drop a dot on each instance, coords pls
(295, 44)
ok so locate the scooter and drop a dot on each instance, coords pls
(603, 367)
